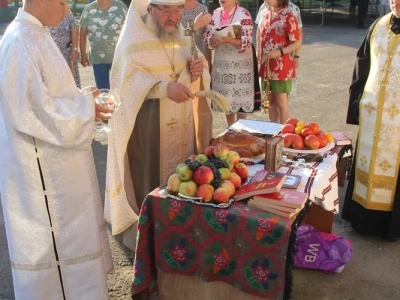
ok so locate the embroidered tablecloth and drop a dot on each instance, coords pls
(319, 180)
(241, 245)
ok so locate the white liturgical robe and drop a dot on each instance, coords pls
(51, 203)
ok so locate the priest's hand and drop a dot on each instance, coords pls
(196, 66)
(178, 92)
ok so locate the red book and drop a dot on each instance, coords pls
(285, 197)
(291, 181)
(340, 138)
(267, 186)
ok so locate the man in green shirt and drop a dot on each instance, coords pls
(101, 23)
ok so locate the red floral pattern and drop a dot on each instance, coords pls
(277, 32)
(221, 215)
(220, 261)
(265, 226)
(175, 208)
(179, 253)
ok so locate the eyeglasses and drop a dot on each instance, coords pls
(168, 11)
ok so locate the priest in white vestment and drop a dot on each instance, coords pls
(159, 123)
(52, 209)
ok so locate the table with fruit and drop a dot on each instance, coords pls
(193, 227)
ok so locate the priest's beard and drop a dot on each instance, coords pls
(162, 34)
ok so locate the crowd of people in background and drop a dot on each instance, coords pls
(235, 67)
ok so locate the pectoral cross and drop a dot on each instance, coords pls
(171, 123)
(191, 32)
(174, 75)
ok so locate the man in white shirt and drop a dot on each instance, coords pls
(52, 209)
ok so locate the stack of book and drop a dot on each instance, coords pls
(261, 184)
(287, 203)
(274, 192)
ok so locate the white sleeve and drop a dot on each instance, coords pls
(260, 14)
(31, 110)
(295, 10)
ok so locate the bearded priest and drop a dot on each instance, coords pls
(52, 209)
(372, 202)
(159, 124)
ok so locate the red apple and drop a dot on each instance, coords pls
(323, 140)
(221, 195)
(242, 171)
(203, 175)
(306, 131)
(206, 191)
(209, 151)
(314, 127)
(229, 186)
(236, 180)
(287, 139)
(298, 142)
(292, 121)
(174, 181)
(288, 128)
(221, 151)
(311, 141)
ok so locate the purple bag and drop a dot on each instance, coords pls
(321, 251)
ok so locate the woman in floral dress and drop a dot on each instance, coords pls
(278, 37)
(66, 38)
(233, 68)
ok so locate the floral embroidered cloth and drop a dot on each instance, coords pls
(241, 245)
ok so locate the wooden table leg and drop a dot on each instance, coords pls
(319, 218)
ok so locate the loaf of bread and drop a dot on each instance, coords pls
(241, 141)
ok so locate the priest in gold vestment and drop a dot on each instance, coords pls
(372, 202)
(160, 123)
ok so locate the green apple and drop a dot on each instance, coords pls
(202, 158)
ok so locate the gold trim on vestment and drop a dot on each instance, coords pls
(372, 183)
(114, 194)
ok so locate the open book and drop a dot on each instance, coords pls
(255, 127)
(234, 29)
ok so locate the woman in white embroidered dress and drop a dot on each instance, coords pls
(233, 67)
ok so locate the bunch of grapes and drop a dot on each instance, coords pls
(217, 176)
(217, 162)
(192, 164)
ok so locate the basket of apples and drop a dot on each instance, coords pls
(210, 178)
(303, 138)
